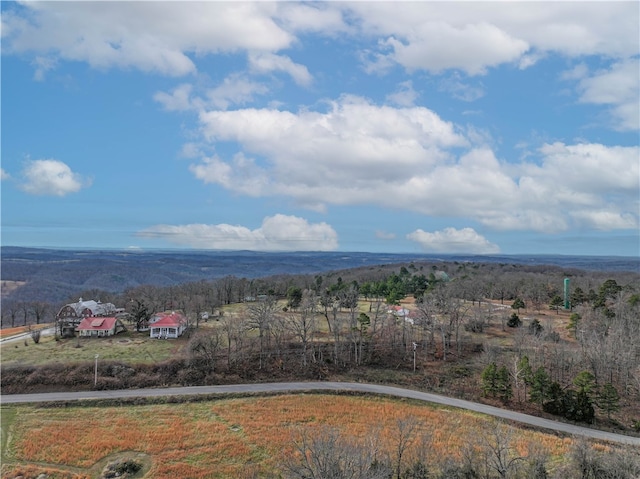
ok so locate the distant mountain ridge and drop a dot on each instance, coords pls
(53, 274)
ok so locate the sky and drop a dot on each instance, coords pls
(396, 127)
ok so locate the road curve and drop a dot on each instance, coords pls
(327, 386)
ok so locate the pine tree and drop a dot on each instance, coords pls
(489, 380)
(540, 383)
(585, 382)
(525, 373)
(608, 399)
(503, 384)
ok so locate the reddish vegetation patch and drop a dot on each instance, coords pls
(218, 439)
(6, 332)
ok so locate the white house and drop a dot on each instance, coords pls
(167, 325)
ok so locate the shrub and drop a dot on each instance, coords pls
(474, 326)
(535, 327)
(514, 321)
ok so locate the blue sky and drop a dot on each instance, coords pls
(436, 127)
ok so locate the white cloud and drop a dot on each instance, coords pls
(452, 240)
(4, 175)
(385, 235)
(191, 150)
(472, 48)
(150, 36)
(241, 174)
(167, 38)
(51, 178)
(409, 158)
(405, 95)
(320, 17)
(618, 86)
(606, 220)
(277, 233)
(337, 156)
(235, 90)
(42, 66)
(461, 90)
(265, 62)
(437, 36)
(178, 100)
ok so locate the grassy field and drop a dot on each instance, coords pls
(129, 347)
(239, 437)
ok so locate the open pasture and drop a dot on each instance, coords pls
(233, 437)
(128, 347)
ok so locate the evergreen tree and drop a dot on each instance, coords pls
(585, 382)
(554, 402)
(556, 303)
(540, 383)
(608, 399)
(535, 327)
(577, 406)
(525, 372)
(573, 323)
(503, 384)
(518, 304)
(514, 321)
(490, 380)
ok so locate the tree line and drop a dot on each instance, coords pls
(495, 452)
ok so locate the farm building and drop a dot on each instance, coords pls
(167, 325)
(75, 312)
(99, 327)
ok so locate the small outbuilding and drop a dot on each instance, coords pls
(100, 327)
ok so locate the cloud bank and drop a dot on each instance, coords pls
(452, 240)
(409, 158)
(277, 233)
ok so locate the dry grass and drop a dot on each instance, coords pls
(219, 439)
(129, 347)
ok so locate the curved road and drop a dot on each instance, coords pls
(327, 386)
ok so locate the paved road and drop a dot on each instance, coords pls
(327, 386)
(27, 335)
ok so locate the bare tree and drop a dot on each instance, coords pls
(328, 455)
(40, 310)
(35, 335)
(261, 315)
(500, 453)
(204, 348)
(234, 330)
(303, 324)
(403, 436)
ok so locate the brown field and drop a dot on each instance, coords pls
(8, 287)
(239, 437)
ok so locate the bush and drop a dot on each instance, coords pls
(535, 327)
(474, 326)
(121, 469)
(514, 321)
(552, 336)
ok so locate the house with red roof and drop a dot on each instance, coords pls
(167, 325)
(100, 326)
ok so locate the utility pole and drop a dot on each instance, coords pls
(414, 356)
(95, 380)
